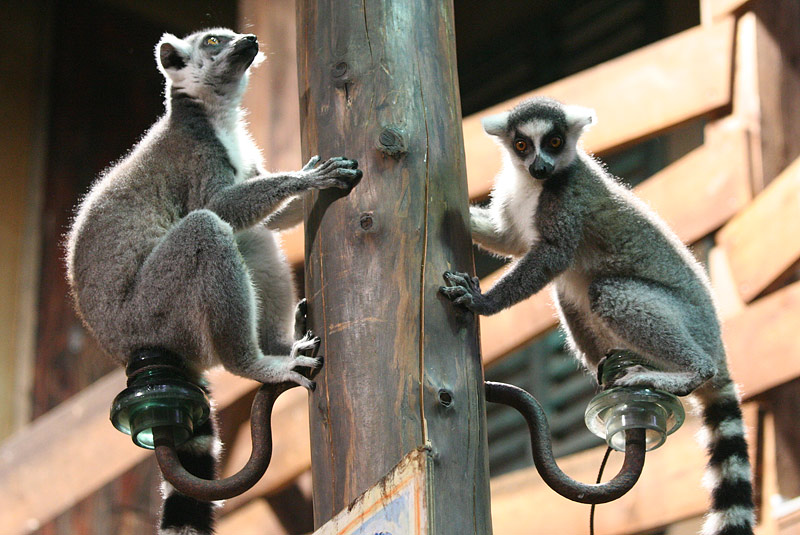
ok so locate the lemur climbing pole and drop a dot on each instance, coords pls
(402, 368)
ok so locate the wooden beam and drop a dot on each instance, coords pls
(24, 146)
(775, 45)
(53, 463)
(717, 176)
(637, 95)
(698, 193)
(783, 402)
(762, 342)
(789, 524)
(763, 240)
(729, 302)
(669, 490)
(766, 88)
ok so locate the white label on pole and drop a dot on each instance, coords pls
(396, 505)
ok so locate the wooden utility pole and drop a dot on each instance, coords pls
(402, 367)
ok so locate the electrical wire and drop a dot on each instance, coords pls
(599, 477)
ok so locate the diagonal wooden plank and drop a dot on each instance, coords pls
(762, 342)
(256, 518)
(763, 240)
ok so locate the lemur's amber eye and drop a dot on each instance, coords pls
(212, 41)
(556, 141)
(520, 145)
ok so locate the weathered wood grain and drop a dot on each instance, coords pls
(378, 83)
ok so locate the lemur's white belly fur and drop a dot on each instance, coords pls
(572, 287)
(518, 198)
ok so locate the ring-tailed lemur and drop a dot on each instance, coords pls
(622, 280)
(171, 247)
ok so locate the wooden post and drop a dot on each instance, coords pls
(378, 83)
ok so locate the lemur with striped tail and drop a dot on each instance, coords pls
(172, 247)
(622, 280)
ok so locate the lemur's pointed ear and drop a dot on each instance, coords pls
(172, 53)
(579, 118)
(495, 125)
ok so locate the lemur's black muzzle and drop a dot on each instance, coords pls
(540, 168)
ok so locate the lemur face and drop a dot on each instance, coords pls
(540, 134)
(208, 62)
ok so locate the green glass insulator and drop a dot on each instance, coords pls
(617, 409)
(158, 395)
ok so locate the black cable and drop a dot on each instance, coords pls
(599, 477)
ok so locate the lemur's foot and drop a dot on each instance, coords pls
(677, 383)
(465, 291)
(336, 172)
(299, 367)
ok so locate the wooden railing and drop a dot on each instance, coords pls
(51, 465)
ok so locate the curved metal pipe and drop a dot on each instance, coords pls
(543, 458)
(221, 489)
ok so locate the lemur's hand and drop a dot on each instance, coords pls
(465, 291)
(336, 172)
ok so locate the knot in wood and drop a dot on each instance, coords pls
(339, 70)
(445, 397)
(366, 221)
(392, 142)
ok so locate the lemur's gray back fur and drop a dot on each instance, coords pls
(622, 279)
(171, 247)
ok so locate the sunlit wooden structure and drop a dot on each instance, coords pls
(739, 72)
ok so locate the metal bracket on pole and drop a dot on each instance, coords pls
(161, 408)
(222, 489)
(543, 458)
